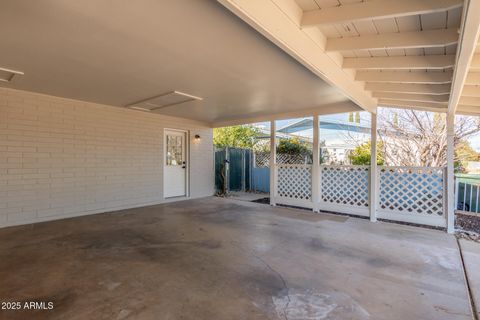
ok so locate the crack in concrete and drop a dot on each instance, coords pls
(284, 282)
(473, 307)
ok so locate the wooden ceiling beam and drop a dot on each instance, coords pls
(412, 97)
(404, 76)
(408, 88)
(475, 62)
(473, 78)
(417, 39)
(471, 91)
(408, 62)
(469, 33)
(468, 110)
(415, 105)
(375, 9)
(469, 101)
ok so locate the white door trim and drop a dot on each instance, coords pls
(187, 160)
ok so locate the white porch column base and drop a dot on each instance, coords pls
(273, 163)
(373, 191)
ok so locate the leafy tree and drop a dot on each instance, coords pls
(293, 146)
(463, 154)
(236, 136)
(361, 155)
(296, 149)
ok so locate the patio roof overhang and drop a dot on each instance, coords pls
(465, 94)
(407, 54)
(126, 53)
(363, 54)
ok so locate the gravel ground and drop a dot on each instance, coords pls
(468, 226)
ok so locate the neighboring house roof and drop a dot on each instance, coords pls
(307, 123)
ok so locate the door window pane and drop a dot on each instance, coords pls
(174, 154)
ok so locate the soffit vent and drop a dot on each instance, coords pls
(7, 75)
(164, 100)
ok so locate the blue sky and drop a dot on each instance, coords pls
(475, 142)
(331, 137)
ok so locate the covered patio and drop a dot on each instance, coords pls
(387, 55)
(107, 169)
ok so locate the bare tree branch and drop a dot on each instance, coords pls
(417, 138)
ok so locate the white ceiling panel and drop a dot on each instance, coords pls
(134, 50)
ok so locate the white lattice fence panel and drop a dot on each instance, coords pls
(412, 190)
(294, 181)
(262, 159)
(345, 185)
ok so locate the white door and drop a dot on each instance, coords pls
(175, 165)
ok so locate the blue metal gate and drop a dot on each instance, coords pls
(238, 168)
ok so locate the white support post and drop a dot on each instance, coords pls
(273, 163)
(316, 165)
(450, 208)
(373, 191)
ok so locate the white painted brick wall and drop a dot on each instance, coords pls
(62, 158)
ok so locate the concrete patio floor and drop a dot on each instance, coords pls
(214, 258)
(471, 260)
